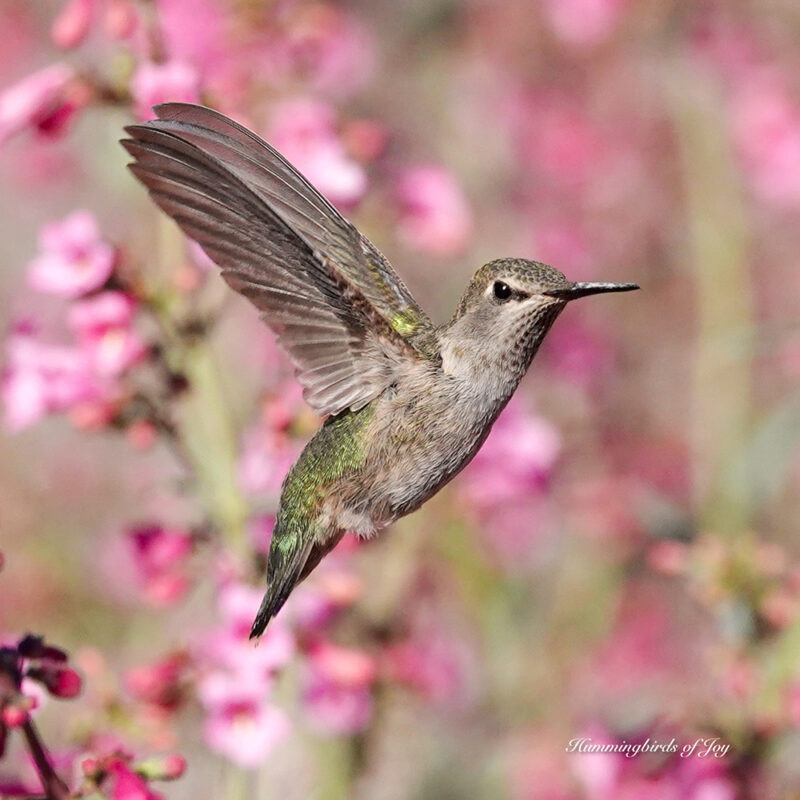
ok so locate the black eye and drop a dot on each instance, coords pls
(502, 291)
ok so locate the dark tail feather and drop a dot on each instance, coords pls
(288, 567)
(287, 557)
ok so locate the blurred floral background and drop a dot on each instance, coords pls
(619, 563)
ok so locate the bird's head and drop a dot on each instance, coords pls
(510, 305)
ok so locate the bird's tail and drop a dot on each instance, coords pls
(292, 556)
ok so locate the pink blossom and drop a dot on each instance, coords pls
(102, 324)
(127, 785)
(36, 101)
(159, 684)
(241, 723)
(766, 128)
(337, 693)
(583, 22)
(229, 647)
(160, 556)
(158, 83)
(72, 24)
(517, 459)
(40, 379)
(304, 132)
(72, 259)
(434, 214)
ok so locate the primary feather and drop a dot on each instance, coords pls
(338, 308)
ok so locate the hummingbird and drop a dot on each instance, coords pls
(406, 403)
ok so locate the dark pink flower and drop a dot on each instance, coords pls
(161, 683)
(103, 326)
(127, 785)
(158, 83)
(434, 214)
(304, 132)
(160, 556)
(36, 101)
(73, 259)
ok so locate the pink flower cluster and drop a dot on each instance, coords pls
(237, 682)
(73, 262)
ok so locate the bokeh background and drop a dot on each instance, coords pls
(621, 559)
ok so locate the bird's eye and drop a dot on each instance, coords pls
(502, 291)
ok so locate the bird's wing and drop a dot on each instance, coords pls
(338, 308)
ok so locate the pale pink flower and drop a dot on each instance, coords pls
(266, 457)
(517, 459)
(228, 645)
(36, 101)
(337, 693)
(158, 83)
(121, 19)
(332, 49)
(240, 723)
(434, 214)
(304, 132)
(73, 259)
(160, 556)
(73, 23)
(583, 22)
(102, 324)
(766, 128)
(40, 379)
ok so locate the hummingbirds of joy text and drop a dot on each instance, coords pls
(407, 403)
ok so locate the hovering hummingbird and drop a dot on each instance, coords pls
(407, 403)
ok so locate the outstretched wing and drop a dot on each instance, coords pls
(341, 312)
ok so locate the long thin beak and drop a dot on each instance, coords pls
(575, 290)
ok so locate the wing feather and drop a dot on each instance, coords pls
(329, 295)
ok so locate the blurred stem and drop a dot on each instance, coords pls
(336, 760)
(54, 787)
(205, 435)
(718, 263)
(236, 784)
(211, 444)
